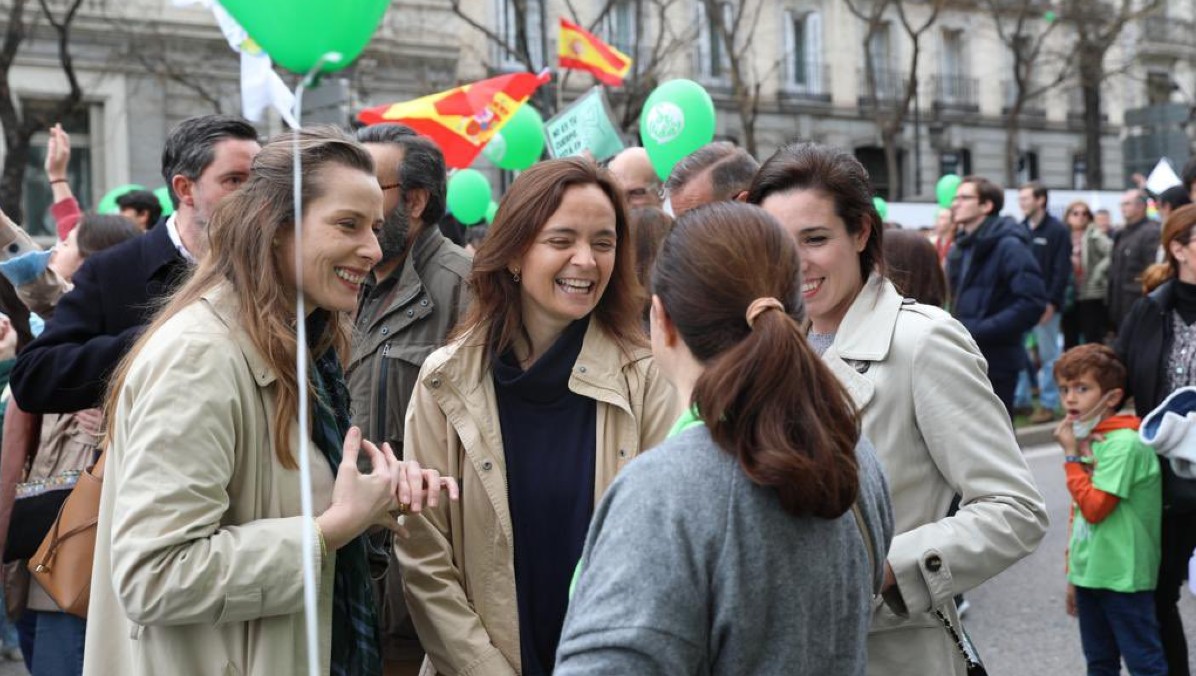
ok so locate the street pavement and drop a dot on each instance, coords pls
(1017, 619)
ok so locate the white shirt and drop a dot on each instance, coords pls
(173, 231)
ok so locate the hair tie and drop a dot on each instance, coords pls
(761, 305)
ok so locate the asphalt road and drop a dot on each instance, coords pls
(1017, 619)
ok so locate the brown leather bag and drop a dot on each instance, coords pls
(62, 565)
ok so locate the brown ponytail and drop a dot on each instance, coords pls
(765, 395)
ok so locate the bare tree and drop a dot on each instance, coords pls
(20, 126)
(734, 23)
(1024, 32)
(1097, 25)
(890, 108)
(194, 65)
(523, 46)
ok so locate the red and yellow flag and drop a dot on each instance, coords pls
(463, 120)
(579, 49)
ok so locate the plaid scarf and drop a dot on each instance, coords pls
(355, 637)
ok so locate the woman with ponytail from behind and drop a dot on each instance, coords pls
(1157, 343)
(753, 538)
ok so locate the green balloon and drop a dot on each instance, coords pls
(520, 142)
(945, 189)
(468, 195)
(296, 33)
(490, 211)
(882, 207)
(163, 195)
(107, 203)
(677, 119)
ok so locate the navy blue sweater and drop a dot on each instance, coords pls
(549, 437)
(1051, 244)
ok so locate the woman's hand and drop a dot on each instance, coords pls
(360, 501)
(1070, 601)
(419, 487)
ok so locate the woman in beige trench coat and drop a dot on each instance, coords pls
(926, 404)
(198, 563)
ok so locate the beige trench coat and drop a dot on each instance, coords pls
(927, 406)
(198, 563)
(458, 563)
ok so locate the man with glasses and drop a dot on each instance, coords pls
(1134, 249)
(634, 173)
(409, 303)
(996, 286)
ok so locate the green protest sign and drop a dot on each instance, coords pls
(584, 125)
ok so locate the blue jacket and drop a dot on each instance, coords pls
(1050, 243)
(1000, 295)
(116, 294)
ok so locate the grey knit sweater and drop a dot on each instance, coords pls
(690, 568)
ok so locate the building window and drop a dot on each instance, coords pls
(619, 26)
(803, 51)
(881, 57)
(1159, 86)
(954, 87)
(713, 60)
(1027, 167)
(510, 19)
(37, 196)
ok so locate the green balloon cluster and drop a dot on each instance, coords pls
(945, 189)
(469, 195)
(107, 203)
(882, 207)
(297, 33)
(677, 119)
(520, 142)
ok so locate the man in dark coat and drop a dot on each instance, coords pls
(117, 290)
(1134, 250)
(1050, 242)
(996, 287)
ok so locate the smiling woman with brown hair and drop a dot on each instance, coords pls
(545, 392)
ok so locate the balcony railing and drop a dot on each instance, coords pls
(956, 92)
(890, 87)
(1162, 29)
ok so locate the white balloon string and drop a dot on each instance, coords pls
(310, 553)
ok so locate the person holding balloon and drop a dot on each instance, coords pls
(546, 390)
(199, 549)
(919, 381)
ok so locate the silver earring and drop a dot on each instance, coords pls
(515, 276)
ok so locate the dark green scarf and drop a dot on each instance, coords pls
(355, 637)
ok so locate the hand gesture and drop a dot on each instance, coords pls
(1070, 601)
(1065, 436)
(58, 153)
(419, 487)
(360, 501)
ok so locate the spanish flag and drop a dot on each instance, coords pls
(463, 120)
(579, 49)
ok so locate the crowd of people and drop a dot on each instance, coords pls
(823, 407)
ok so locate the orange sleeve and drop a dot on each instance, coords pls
(1095, 504)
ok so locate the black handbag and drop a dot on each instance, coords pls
(33, 513)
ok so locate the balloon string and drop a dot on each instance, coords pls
(308, 533)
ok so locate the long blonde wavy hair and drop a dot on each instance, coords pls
(242, 253)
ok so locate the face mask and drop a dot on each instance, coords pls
(1082, 428)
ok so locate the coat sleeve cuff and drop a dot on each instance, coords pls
(490, 663)
(923, 580)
